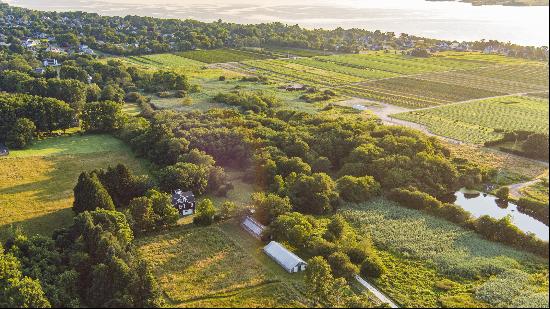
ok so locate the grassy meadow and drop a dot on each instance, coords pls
(218, 266)
(36, 184)
(432, 262)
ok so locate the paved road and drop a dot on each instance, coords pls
(383, 298)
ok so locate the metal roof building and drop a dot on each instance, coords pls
(288, 260)
(253, 227)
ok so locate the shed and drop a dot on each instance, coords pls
(253, 227)
(184, 202)
(288, 260)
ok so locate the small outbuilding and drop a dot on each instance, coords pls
(184, 202)
(288, 260)
(253, 227)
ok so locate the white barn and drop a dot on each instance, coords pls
(288, 260)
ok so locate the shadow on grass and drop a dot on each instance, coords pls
(43, 225)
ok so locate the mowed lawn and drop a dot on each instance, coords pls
(36, 184)
(218, 266)
(484, 120)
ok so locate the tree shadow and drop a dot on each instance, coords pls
(43, 225)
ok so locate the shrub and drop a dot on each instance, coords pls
(503, 193)
(341, 266)
(372, 267)
(204, 213)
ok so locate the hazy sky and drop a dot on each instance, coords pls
(444, 20)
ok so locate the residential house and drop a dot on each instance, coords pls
(184, 202)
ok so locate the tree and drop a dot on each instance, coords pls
(536, 146)
(104, 116)
(341, 266)
(89, 194)
(142, 214)
(269, 206)
(372, 267)
(21, 134)
(17, 291)
(315, 194)
(228, 210)
(184, 176)
(357, 189)
(318, 279)
(112, 93)
(336, 228)
(204, 213)
(503, 193)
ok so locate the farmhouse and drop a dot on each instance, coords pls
(288, 260)
(253, 227)
(184, 202)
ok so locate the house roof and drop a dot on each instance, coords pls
(283, 256)
(253, 226)
(179, 197)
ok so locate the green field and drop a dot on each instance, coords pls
(36, 184)
(476, 122)
(218, 266)
(432, 262)
(222, 55)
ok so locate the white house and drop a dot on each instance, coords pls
(288, 260)
(50, 62)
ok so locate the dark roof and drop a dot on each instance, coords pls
(186, 199)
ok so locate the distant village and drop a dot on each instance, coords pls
(172, 41)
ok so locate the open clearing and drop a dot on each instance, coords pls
(484, 120)
(218, 266)
(36, 184)
(426, 256)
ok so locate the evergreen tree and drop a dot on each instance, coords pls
(89, 194)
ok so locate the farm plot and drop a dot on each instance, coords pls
(440, 263)
(481, 121)
(286, 71)
(475, 79)
(399, 64)
(222, 55)
(203, 266)
(335, 67)
(532, 74)
(416, 93)
(159, 61)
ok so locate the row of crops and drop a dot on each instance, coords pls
(223, 55)
(481, 121)
(165, 61)
(416, 93)
(287, 71)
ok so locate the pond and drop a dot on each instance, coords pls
(480, 204)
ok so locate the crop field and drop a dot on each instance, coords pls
(206, 267)
(481, 121)
(165, 61)
(222, 55)
(288, 72)
(36, 184)
(432, 262)
(415, 93)
(335, 67)
(297, 52)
